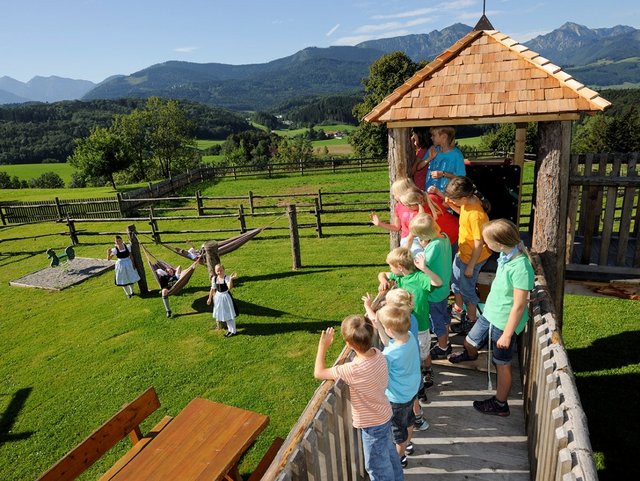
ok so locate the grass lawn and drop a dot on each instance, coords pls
(70, 359)
(470, 141)
(326, 128)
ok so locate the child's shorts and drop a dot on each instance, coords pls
(463, 285)
(424, 339)
(440, 317)
(402, 418)
(479, 334)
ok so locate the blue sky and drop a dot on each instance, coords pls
(93, 39)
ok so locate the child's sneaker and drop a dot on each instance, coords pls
(404, 462)
(422, 396)
(420, 424)
(438, 353)
(457, 314)
(427, 377)
(492, 406)
(463, 327)
(409, 449)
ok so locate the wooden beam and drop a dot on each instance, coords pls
(511, 119)
(521, 138)
(552, 188)
(401, 156)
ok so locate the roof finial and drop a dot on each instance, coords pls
(484, 23)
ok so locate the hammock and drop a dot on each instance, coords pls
(155, 264)
(224, 247)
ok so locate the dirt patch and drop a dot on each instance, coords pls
(65, 275)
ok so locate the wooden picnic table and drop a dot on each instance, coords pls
(205, 441)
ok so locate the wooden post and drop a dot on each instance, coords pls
(318, 209)
(552, 192)
(4, 220)
(154, 229)
(235, 175)
(136, 258)
(401, 156)
(199, 203)
(212, 257)
(301, 167)
(243, 223)
(73, 234)
(518, 159)
(59, 209)
(320, 198)
(119, 199)
(251, 207)
(295, 239)
(150, 185)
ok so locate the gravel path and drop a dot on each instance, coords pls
(65, 275)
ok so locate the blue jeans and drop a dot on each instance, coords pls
(381, 459)
(463, 285)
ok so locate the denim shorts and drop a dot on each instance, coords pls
(461, 284)
(479, 334)
(381, 459)
(440, 318)
(402, 418)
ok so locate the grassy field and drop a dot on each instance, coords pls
(72, 358)
(31, 171)
(326, 128)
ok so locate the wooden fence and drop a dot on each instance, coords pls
(559, 446)
(324, 446)
(604, 214)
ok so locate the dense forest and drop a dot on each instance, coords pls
(333, 109)
(37, 132)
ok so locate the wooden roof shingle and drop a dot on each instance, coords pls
(486, 77)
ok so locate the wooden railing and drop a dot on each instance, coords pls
(559, 446)
(323, 445)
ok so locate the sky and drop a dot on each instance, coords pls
(94, 39)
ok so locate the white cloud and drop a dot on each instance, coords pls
(333, 30)
(455, 5)
(185, 49)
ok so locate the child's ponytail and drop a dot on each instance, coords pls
(486, 205)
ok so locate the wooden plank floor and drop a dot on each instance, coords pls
(461, 443)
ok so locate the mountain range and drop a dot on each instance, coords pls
(602, 57)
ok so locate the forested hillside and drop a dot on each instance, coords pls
(34, 132)
(317, 110)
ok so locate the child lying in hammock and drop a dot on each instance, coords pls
(167, 278)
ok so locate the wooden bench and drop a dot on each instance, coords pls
(125, 422)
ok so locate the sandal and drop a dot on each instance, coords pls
(461, 357)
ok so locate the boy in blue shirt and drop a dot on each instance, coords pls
(403, 360)
(444, 160)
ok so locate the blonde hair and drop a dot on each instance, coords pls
(401, 256)
(358, 332)
(402, 186)
(501, 231)
(424, 226)
(394, 318)
(401, 298)
(450, 132)
(413, 198)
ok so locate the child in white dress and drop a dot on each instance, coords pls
(223, 305)
(126, 273)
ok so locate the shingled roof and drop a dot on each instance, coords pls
(486, 77)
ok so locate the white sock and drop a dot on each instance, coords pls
(165, 301)
(129, 289)
(231, 325)
(126, 292)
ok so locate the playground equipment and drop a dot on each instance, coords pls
(69, 254)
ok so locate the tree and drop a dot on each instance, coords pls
(385, 75)
(99, 155)
(47, 180)
(169, 134)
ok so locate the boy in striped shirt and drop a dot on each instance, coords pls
(367, 377)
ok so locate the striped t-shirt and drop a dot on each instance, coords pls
(367, 381)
